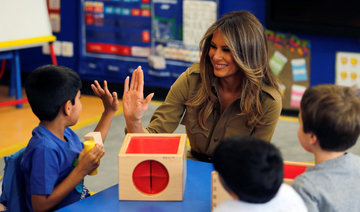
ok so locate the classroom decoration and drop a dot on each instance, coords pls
(197, 17)
(299, 69)
(347, 71)
(116, 36)
(290, 62)
(277, 62)
(152, 167)
(297, 91)
(54, 15)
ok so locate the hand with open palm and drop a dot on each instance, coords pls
(134, 104)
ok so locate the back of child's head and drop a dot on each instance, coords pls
(49, 87)
(250, 167)
(332, 113)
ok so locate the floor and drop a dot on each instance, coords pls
(17, 124)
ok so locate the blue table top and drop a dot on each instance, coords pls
(197, 196)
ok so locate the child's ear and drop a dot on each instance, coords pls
(67, 107)
(313, 139)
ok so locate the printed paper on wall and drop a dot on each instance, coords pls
(297, 91)
(347, 69)
(299, 69)
(277, 62)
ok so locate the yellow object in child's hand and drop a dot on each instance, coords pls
(88, 145)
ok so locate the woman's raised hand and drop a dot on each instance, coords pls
(134, 104)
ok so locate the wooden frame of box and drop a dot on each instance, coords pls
(152, 167)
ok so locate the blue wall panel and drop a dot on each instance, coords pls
(323, 48)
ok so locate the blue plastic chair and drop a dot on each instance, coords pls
(13, 187)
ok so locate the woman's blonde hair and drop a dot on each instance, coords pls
(245, 37)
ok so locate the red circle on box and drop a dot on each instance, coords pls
(150, 177)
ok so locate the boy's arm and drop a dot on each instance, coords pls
(111, 105)
(86, 164)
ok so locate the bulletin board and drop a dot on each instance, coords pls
(23, 24)
(116, 36)
(290, 63)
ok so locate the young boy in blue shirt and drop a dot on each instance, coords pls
(329, 125)
(52, 180)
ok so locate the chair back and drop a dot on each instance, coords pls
(293, 169)
(13, 187)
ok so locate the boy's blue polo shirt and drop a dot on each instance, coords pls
(47, 161)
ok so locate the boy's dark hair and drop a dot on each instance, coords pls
(250, 167)
(49, 87)
(332, 113)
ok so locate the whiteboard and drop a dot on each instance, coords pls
(23, 20)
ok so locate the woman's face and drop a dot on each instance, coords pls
(221, 57)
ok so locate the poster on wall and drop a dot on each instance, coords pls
(178, 27)
(54, 15)
(347, 69)
(289, 58)
(116, 36)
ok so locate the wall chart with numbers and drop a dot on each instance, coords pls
(116, 36)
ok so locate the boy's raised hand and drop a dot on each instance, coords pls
(91, 160)
(110, 101)
(134, 104)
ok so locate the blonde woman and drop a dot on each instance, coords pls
(232, 91)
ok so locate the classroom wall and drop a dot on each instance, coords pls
(323, 48)
(33, 57)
